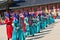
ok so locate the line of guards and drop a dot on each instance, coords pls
(26, 24)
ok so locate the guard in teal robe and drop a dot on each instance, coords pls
(43, 23)
(34, 24)
(38, 25)
(40, 20)
(27, 26)
(43, 17)
(48, 19)
(30, 25)
(17, 31)
(51, 19)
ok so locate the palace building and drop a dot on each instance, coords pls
(49, 4)
(43, 4)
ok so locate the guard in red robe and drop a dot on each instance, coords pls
(9, 28)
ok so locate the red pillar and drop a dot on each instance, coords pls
(48, 6)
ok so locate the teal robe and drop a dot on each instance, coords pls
(17, 33)
(38, 25)
(48, 20)
(32, 28)
(34, 24)
(43, 22)
(51, 19)
(27, 26)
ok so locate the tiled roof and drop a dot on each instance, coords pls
(28, 3)
(36, 2)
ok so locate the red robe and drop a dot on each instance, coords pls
(9, 27)
(24, 27)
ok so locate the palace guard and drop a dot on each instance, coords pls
(17, 30)
(9, 28)
(44, 19)
(30, 21)
(26, 22)
(38, 18)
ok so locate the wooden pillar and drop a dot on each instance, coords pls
(40, 9)
(58, 7)
(48, 8)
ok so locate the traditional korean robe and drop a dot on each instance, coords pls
(38, 21)
(38, 24)
(27, 26)
(30, 25)
(17, 31)
(24, 28)
(48, 19)
(23, 25)
(43, 21)
(9, 27)
(34, 24)
(51, 19)
(26, 22)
